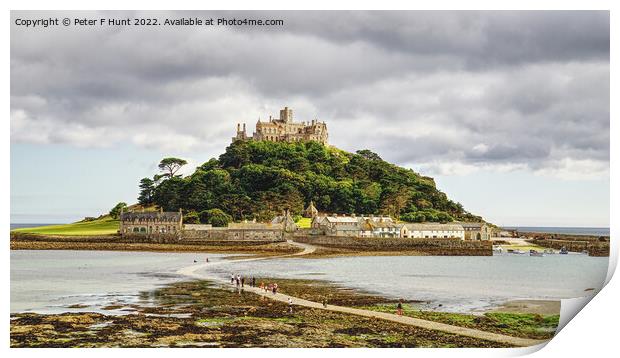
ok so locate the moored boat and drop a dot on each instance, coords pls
(536, 253)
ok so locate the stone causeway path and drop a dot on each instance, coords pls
(192, 271)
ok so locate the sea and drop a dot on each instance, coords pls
(20, 225)
(592, 231)
(54, 281)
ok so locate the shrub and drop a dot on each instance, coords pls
(215, 217)
(191, 218)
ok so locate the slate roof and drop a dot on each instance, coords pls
(471, 225)
(151, 216)
(342, 219)
(434, 227)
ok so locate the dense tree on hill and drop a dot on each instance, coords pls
(147, 188)
(115, 212)
(257, 180)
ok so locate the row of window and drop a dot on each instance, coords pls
(143, 229)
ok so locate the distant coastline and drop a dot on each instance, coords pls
(586, 231)
(24, 225)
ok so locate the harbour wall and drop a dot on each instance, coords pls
(594, 248)
(438, 247)
(215, 238)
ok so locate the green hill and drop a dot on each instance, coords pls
(259, 179)
(101, 226)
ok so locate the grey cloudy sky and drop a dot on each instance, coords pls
(446, 93)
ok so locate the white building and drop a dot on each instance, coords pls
(433, 231)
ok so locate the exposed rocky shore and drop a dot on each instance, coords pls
(199, 314)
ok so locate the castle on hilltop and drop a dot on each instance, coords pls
(283, 129)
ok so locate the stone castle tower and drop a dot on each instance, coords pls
(284, 129)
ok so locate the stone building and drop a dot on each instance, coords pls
(311, 211)
(355, 226)
(284, 129)
(151, 223)
(286, 221)
(476, 231)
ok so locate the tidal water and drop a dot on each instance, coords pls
(449, 283)
(50, 281)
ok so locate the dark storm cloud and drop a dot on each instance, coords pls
(427, 89)
(477, 38)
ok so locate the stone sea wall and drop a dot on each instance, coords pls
(594, 248)
(197, 238)
(228, 234)
(438, 247)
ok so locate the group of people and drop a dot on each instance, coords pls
(240, 281)
(271, 287)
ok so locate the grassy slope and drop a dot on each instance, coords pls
(304, 223)
(103, 226)
(515, 324)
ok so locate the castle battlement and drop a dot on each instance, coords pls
(284, 129)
